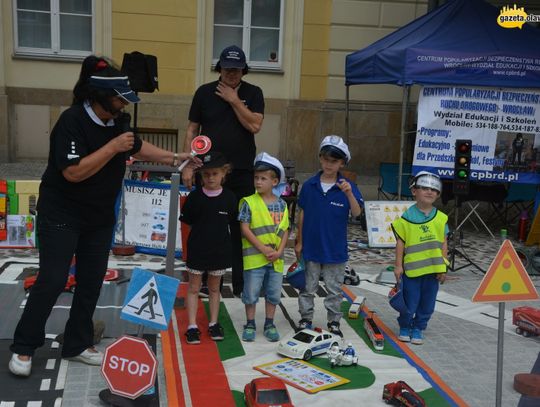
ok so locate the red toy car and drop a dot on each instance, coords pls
(267, 391)
(70, 283)
(526, 320)
(401, 394)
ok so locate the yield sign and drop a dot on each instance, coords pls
(506, 279)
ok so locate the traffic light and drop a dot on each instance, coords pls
(462, 167)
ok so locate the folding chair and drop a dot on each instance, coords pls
(388, 181)
(520, 198)
(292, 196)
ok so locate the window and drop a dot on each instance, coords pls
(53, 27)
(253, 25)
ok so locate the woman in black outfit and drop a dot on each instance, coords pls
(86, 165)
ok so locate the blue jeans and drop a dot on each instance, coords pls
(420, 294)
(262, 278)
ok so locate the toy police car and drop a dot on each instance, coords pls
(349, 277)
(307, 343)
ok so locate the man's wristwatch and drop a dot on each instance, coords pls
(175, 160)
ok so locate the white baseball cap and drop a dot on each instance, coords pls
(427, 179)
(265, 161)
(335, 144)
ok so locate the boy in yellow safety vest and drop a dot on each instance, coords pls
(421, 256)
(264, 223)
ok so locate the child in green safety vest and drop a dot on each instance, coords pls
(421, 256)
(264, 222)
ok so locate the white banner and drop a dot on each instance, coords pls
(503, 124)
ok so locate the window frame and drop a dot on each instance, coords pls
(54, 51)
(246, 39)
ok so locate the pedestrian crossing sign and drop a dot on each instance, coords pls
(150, 299)
(506, 279)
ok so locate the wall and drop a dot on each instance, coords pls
(166, 29)
(37, 88)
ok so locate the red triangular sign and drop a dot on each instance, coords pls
(506, 279)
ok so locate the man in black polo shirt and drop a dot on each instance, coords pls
(230, 112)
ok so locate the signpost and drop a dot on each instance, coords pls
(129, 366)
(505, 280)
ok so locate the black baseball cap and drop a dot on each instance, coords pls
(213, 159)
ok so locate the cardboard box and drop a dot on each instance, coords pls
(27, 187)
(27, 204)
(13, 204)
(11, 187)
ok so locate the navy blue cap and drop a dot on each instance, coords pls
(120, 84)
(232, 57)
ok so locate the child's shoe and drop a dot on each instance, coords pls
(417, 337)
(333, 327)
(249, 333)
(271, 333)
(404, 335)
(304, 324)
(216, 332)
(193, 336)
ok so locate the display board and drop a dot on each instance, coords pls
(147, 217)
(503, 124)
(302, 375)
(21, 232)
(379, 217)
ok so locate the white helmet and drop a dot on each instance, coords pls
(349, 345)
(426, 179)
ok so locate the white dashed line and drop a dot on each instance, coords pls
(45, 385)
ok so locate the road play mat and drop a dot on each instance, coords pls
(215, 371)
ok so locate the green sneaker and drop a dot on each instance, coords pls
(271, 333)
(249, 333)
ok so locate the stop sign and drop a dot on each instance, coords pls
(129, 366)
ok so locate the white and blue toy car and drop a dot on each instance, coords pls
(307, 343)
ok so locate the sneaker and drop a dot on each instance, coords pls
(333, 327)
(216, 332)
(249, 333)
(304, 324)
(417, 337)
(20, 367)
(203, 292)
(271, 333)
(90, 356)
(193, 336)
(404, 335)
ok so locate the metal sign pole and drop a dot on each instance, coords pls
(173, 218)
(500, 340)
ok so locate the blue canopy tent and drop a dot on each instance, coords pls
(459, 43)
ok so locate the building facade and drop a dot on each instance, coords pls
(296, 51)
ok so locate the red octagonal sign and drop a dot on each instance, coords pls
(129, 366)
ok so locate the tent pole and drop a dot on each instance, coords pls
(347, 113)
(404, 109)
